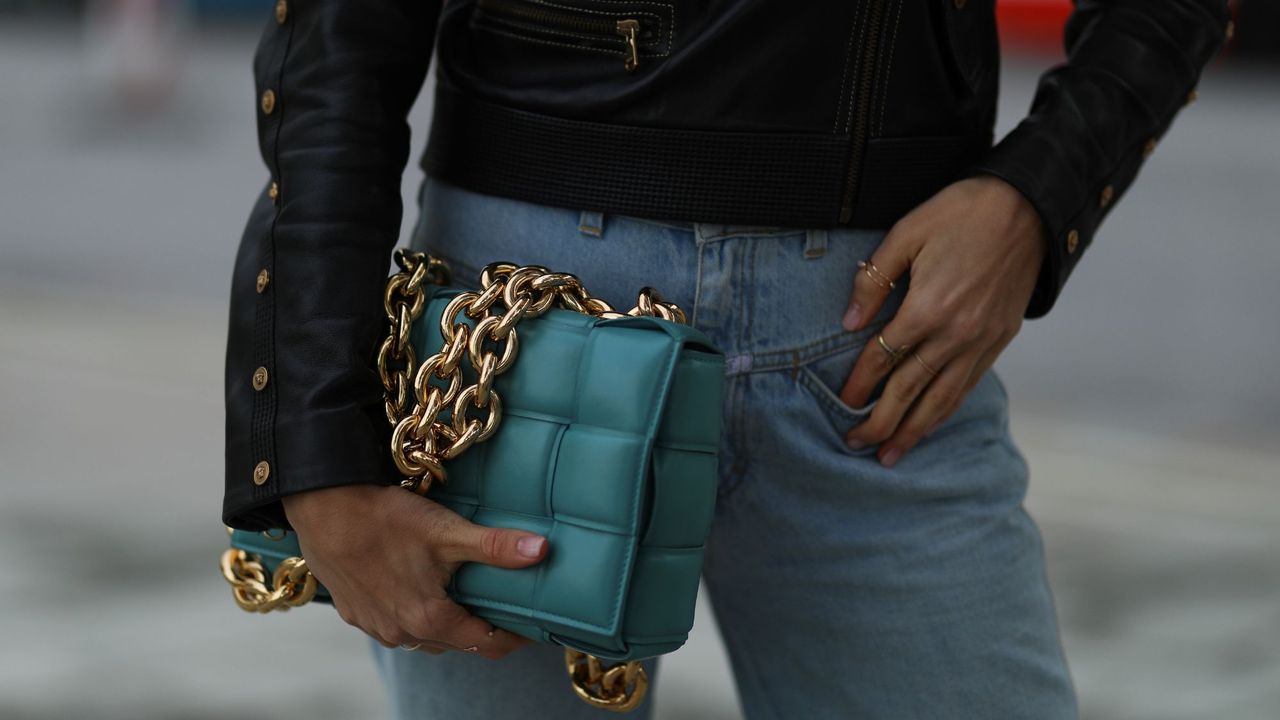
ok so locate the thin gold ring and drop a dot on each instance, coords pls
(924, 364)
(411, 648)
(895, 354)
(876, 276)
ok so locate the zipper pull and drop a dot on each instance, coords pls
(630, 31)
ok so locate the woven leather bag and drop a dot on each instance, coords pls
(608, 446)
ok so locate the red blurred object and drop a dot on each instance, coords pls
(1032, 26)
(1035, 26)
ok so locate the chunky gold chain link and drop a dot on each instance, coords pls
(449, 416)
(619, 687)
(291, 585)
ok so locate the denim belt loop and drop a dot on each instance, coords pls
(591, 223)
(815, 243)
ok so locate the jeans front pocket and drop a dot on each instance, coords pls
(822, 380)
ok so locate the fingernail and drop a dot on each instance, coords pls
(852, 317)
(530, 546)
(890, 458)
(854, 443)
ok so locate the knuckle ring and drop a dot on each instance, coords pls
(895, 354)
(924, 364)
(876, 276)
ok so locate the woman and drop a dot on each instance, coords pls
(815, 185)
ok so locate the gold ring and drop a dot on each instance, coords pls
(895, 354)
(412, 647)
(924, 364)
(876, 276)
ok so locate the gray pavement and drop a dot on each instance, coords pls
(1147, 406)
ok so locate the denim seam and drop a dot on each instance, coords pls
(784, 358)
(733, 477)
(673, 224)
(735, 232)
(697, 287)
(739, 263)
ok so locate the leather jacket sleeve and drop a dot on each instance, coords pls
(1131, 65)
(335, 80)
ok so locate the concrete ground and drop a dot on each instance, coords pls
(1146, 404)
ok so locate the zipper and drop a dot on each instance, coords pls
(627, 31)
(862, 117)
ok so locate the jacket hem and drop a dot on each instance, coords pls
(782, 179)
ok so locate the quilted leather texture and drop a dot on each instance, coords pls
(607, 446)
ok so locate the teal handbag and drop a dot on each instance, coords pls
(608, 440)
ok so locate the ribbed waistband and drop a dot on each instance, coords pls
(776, 179)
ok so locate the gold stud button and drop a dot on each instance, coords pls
(259, 379)
(261, 472)
(1073, 242)
(1108, 194)
(264, 279)
(274, 192)
(268, 101)
(1149, 148)
(282, 11)
(1231, 30)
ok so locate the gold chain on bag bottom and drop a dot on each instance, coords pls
(422, 438)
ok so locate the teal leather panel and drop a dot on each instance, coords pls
(692, 420)
(607, 446)
(673, 572)
(679, 516)
(539, 446)
(594, 484)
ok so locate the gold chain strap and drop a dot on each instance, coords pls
(447, 418)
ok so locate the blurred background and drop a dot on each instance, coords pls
(1147, 403)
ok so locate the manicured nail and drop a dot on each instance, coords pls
(530, 546)
(854, 443)
(852, 317)
(891, 457)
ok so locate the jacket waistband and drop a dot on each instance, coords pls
(776, 179)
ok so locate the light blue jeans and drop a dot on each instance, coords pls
(843, 589)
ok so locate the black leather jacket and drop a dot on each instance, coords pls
(775, 112)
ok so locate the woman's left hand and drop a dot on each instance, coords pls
(973, 252)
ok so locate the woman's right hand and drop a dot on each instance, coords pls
(386, 556)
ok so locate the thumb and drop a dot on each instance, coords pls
(874, 279)
(464, 541)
